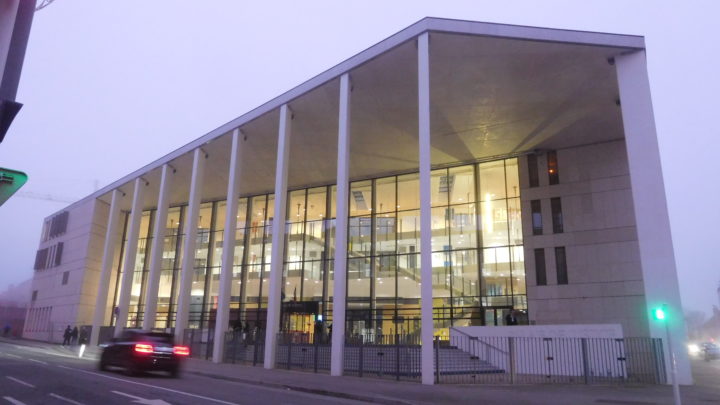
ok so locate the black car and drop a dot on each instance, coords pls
(139, 351)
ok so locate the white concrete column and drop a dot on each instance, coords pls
(337, 353)
(657, 256)
(188, 250)
(156, 251)
(130, 255)
(278, 238)
(426, 303)
(228, 250)
(111, 234)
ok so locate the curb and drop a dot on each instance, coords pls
(316, 391)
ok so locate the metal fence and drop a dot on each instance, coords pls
(245, 347)
(531, 360)
(383, 356)
(303, 351)
(458, 359)
(200, 342)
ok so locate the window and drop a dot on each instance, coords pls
(557, 216)
(561, 264)
(34, 295)
(536, 209)
(41, 259)
(533, 176)
(66, 276)
(552, 168)
(540, 276)
(58, 253)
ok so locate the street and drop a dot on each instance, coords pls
(48, 375)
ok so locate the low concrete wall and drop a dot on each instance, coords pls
(551, 350)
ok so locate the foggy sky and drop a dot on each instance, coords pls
(110, 86)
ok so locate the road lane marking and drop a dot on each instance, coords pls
(141, 400)
(14, 401)
(13, 355)
(65, 399)
(151, 386)
(20, 381)
(38, 361)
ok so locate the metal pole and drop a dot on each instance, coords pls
(586, 370)
(673, 364)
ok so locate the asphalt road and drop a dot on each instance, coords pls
(36, 375)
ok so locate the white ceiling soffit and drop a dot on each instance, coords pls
(469, 128)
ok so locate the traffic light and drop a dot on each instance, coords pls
(10, 182)
(658, 314)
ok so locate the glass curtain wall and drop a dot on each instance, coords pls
(478, 271)
(140, 271)
(169, 268)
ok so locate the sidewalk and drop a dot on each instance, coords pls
(373, 390)
(380, 391)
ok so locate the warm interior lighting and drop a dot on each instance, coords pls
(489, 226)
(143, 348)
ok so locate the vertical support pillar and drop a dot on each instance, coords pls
(156, 251)
(111, 234)
(130, 255)
(337, 351)
(228, 250)
(426, 303)
(188, 252)
(651, 215)
(278, 238)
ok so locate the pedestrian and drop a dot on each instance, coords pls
(6, 330)
(66, 336)
(246, 332)
(330, 332)
(74, 336)
(510, 318)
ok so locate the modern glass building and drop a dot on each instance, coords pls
(455, 175)
(478, 271)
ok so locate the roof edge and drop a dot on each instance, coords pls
(427, 24)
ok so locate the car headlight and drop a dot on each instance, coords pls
(693, 349)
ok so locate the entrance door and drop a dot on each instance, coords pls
(495, 316)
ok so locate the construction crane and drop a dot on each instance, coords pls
(42, 4)
(46, 197)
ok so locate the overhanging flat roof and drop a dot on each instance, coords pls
(434, 25)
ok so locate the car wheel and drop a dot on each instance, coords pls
(131, 369)
(174, 372)
(102, 366)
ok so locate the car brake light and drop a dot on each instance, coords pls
(143, 348)
(181, 350)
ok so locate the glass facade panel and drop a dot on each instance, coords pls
(492, 180)
(408, 194)
(317, 204)
(463, 184)
(494, 223)
(385, 195)
(360, 198)
(476, 238)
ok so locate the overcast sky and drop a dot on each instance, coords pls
(110, 86)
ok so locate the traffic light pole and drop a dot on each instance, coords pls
(673, 363)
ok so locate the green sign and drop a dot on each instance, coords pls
(10, 182)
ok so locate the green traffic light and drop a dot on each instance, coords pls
(659, 314)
